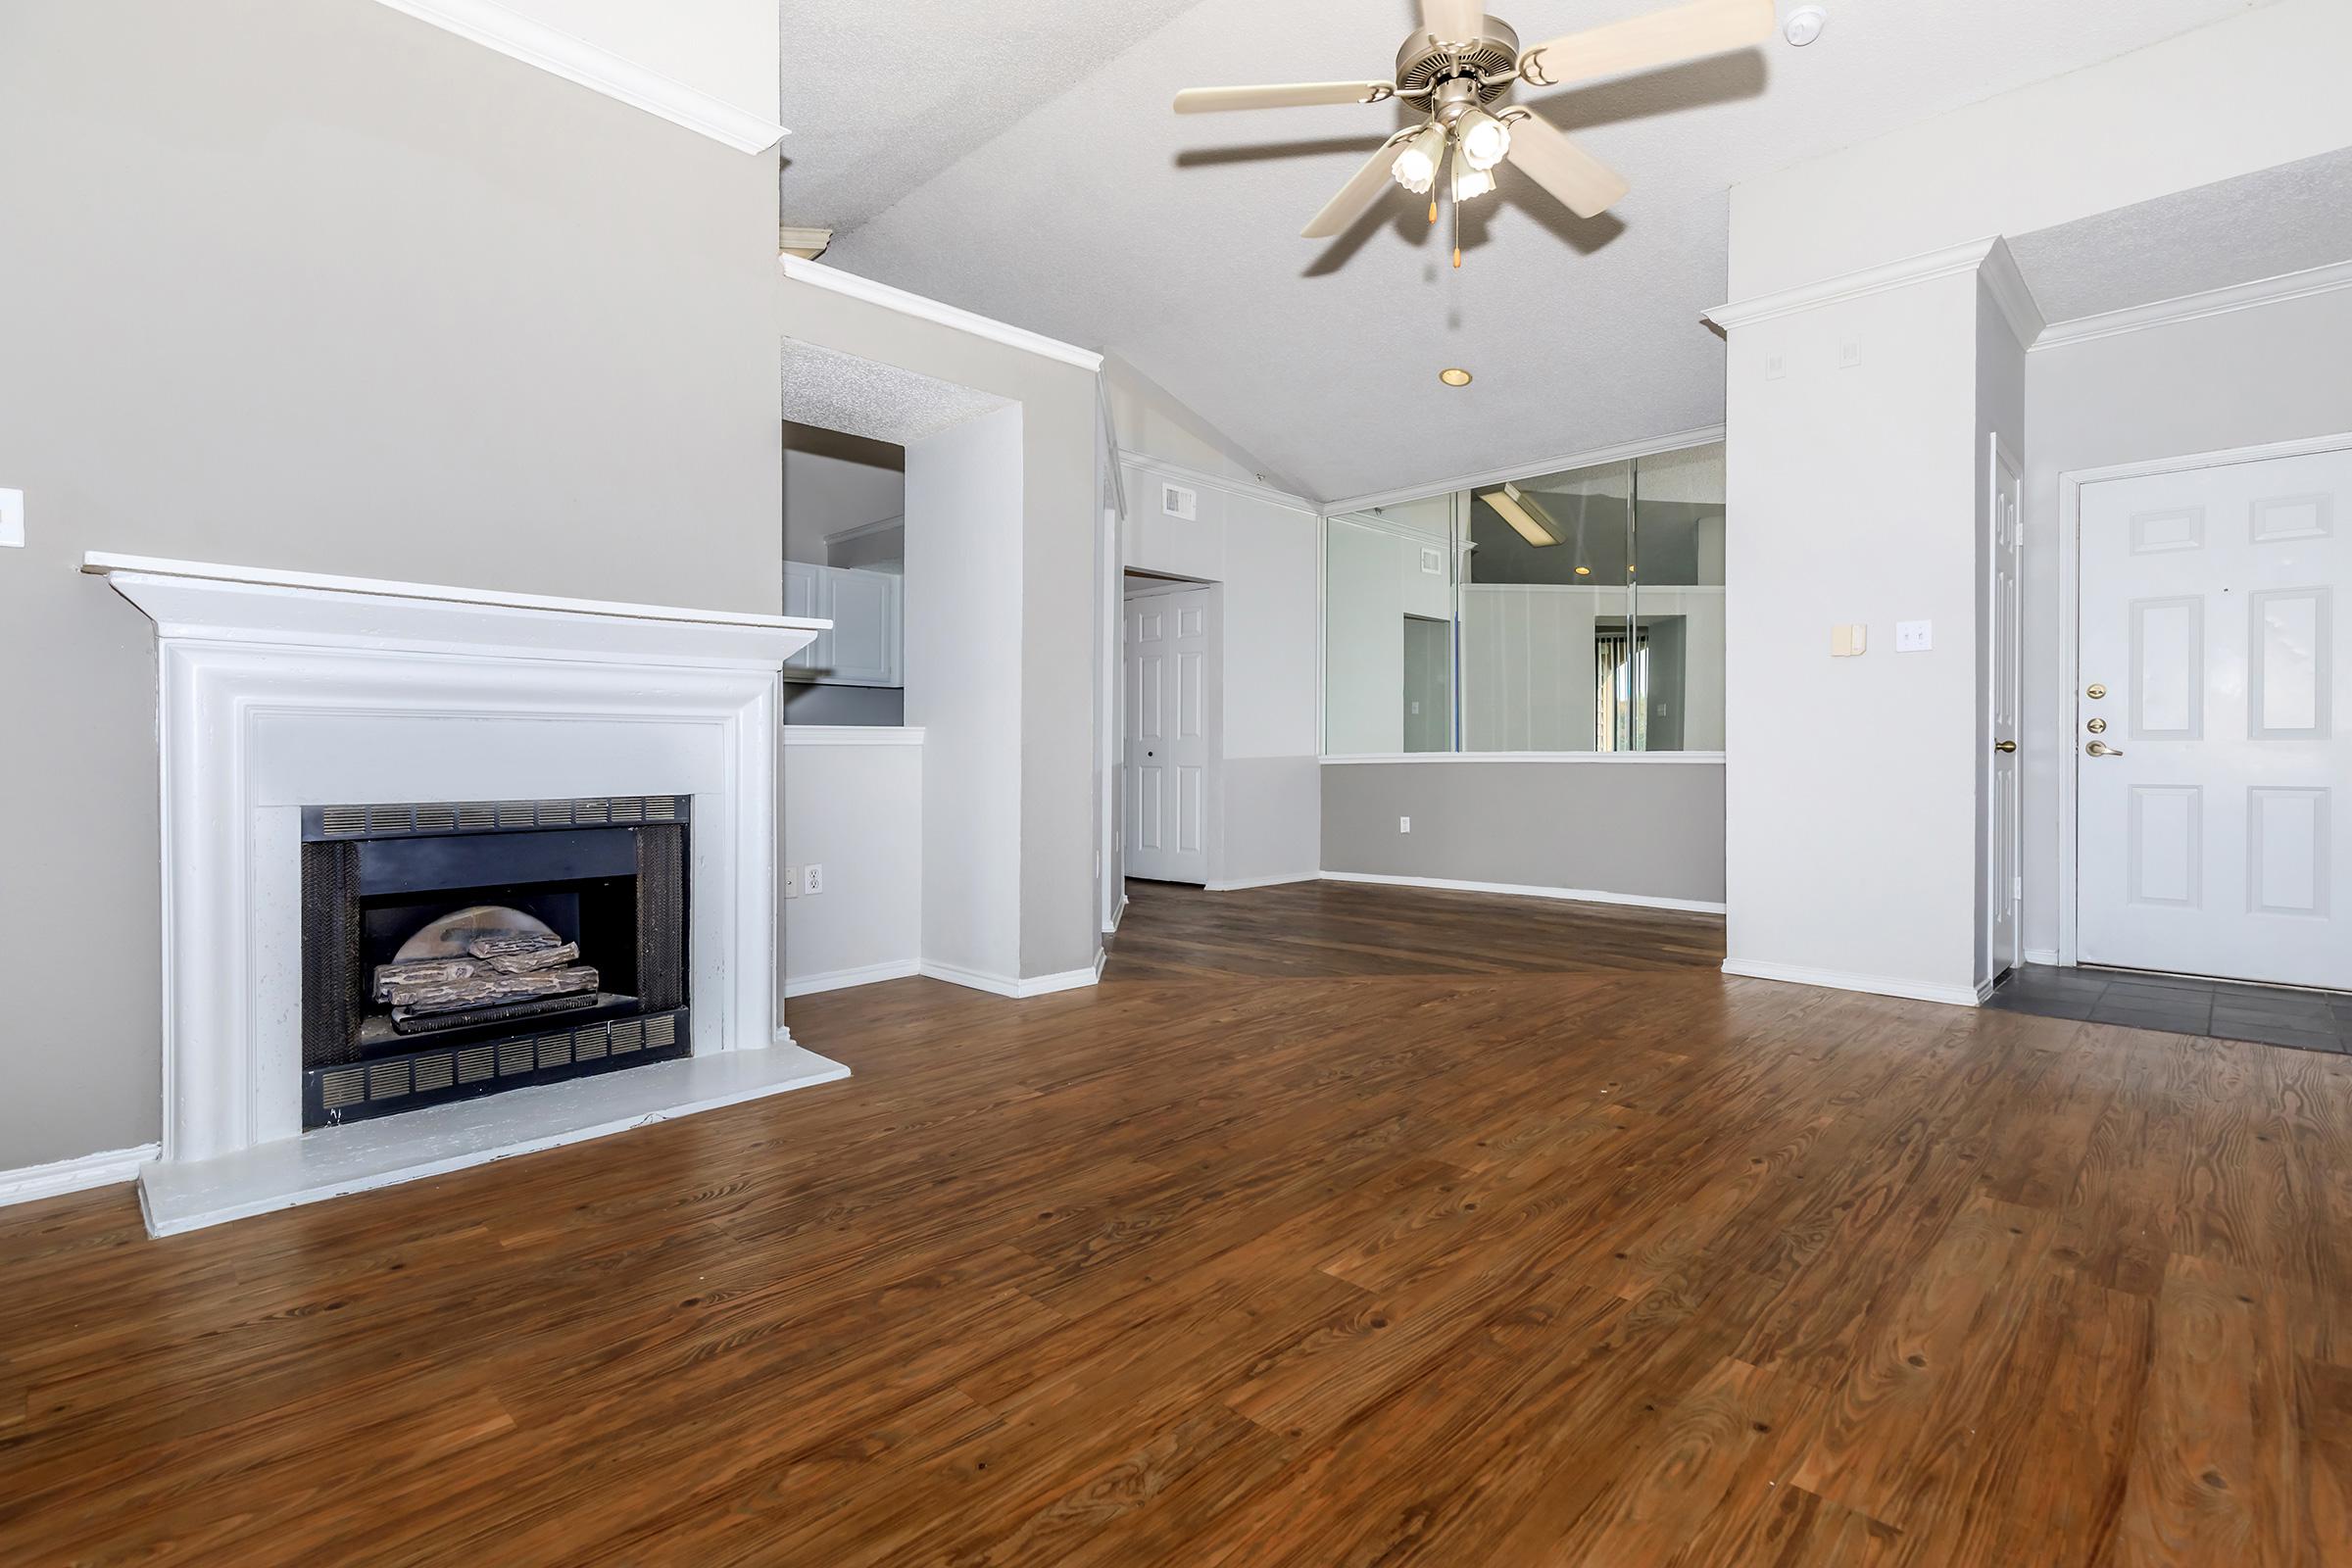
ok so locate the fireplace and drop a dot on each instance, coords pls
(455, 948)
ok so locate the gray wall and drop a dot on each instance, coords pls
(2274, 372)
(808, 702)
(1652, 829)
(312, 284)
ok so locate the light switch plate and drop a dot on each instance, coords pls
(1849, 354)
(792, 881)
(1405, 824)
(1776, 366)
(12, 518)
(1914, 636)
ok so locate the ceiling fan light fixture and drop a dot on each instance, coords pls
(1486, 141)
(1472, 183)
(1416, 165)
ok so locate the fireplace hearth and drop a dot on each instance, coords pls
(455, 948)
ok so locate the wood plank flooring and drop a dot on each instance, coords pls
(1339, 1226)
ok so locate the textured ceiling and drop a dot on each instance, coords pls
(880, 97)
(1101, 217)
(2279, 221)
(837, 391)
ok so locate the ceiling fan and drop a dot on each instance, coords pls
(1458, 62)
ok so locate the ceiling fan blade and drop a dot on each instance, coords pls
(1661, 38)
(1356, 198)
(1283, 95)
(1453, 21)
(1586, 185)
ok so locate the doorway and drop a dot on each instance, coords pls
(2207, 721)
(2004, 875)
(1174, 730)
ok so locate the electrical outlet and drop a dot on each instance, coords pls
(12, 518)
(812, 880)
(1849, 354)
(1914, 636)
(792, 881)
(1405, 824)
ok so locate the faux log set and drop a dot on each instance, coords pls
(501, 971)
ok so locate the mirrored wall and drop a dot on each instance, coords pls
(1574, 611)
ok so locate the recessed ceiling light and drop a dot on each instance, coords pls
(1455, 375)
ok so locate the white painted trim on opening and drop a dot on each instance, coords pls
(438, 1139)
(853, 734)
(106, 562)
(1620, 758)
(1842, 980)
(2012, 296)
(1006, 985)
(1241, 884)
(2192, 306)
(809, 985)
(864, 531)
(29, 1183)
(574, 59)
(2042, 956)
(1118, 913)
(1902, 273)
(1704, 435)
(2070, 632)
(852, 286)
(1640, 901)
(1162, 467)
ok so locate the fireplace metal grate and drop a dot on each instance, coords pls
(383, 1085)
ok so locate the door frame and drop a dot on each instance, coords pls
(2003, 458)
(1138, 583)
(2069, 624)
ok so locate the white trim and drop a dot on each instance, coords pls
(29, 1183)
(2192, 306)
(1008, 986)
(106, 562)
(853, 734)
(809, 985)
(438, 1139)
(1651, 447)
(897, 519)
(1111, 925)
(1903, 273)
(1840, 980)
(1640, 901)
(2070, 632)
(852, 286)
(2048, 956)
(1618, 759)
(1215, 481)
(1242, 883)
(2012, 296)
(535, 43)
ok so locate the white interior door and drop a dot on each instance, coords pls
(2004, 874)
(1169, 755)
(2212, 753)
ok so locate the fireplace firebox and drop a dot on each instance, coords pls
(455, 948)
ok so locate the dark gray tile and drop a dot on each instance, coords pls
(2318, 1018)
(2160, 991)
(2183, 1020)
(2074, 1007)
(2278, 1034)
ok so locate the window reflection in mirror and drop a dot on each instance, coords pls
(1572, 612)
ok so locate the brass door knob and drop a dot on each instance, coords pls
(2097, 726)
(2101, 749)
(2004, 747)
(2095, 691)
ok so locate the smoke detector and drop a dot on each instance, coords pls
(1804, 24)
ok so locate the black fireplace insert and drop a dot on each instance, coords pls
(455, 948)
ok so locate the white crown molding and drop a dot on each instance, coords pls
(806, 243)
(519, 37)
(1842, 980)
(2011, 295)
(853, 735)
(2193, 307)
(816, 274)
(866, 529)
(1590, 458)
(1903, 273)
(27, 1183)
(1522, 890)
(1248, 488)
(1608, 758)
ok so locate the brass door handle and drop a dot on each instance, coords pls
(2004, 746)
(2101, 749)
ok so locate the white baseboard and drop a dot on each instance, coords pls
(1111, 925)
(79, 1174)
(1528, 891)
(809, 985)
(1001, 985)
(1239, 883)
(1840, 980)
(2041, 954)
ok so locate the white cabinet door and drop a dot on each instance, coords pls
(865, 608)
(2212, 764)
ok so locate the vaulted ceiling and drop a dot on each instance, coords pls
(1020, 159)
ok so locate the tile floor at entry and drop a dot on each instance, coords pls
(2223, 1009)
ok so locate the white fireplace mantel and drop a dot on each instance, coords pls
(279, 690)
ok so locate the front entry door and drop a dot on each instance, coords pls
(2212, 746)
(1167, 736)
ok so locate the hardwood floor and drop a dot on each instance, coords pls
(1339, 1226)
